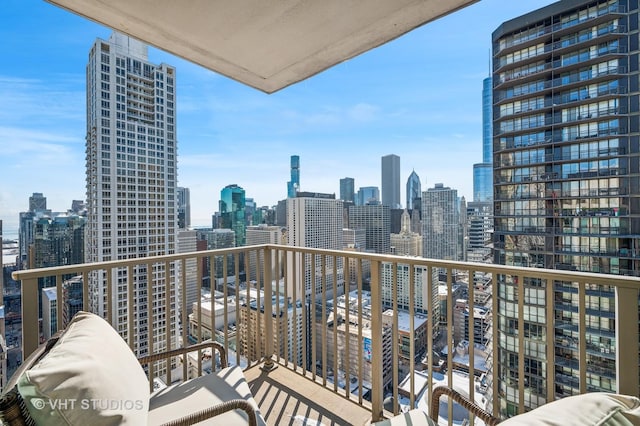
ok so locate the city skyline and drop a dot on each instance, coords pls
(414, 96)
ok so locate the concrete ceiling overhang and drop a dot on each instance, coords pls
(266, 44)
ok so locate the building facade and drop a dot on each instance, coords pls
(314, 220)
(566, 159)
(293, 186)
(131, 170)
(368, 195)
(440, 223)
(483, 172)
(232, 212)
(414, 191)
(376, 221)
(391, 181)
(347, 189)
(184, 207)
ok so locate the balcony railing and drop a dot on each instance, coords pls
(288, 310)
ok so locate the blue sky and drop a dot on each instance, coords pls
(418, 97)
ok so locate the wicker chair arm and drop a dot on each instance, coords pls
(234, 404)
(473, 408)
(181, 351)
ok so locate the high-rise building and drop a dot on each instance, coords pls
(232, 212)
(315, 220)
(131, 169)
(347, 189)
(293, 186)
(368, 195)
(391, 181)
(37, 208)
(184, 207)
(483, 172)
(440, 223)
(566, 155)
(376, 221)
(187, 242)
(480, 232)
(414, 191)
(262, 234)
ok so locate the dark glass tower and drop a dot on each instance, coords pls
(566, 160)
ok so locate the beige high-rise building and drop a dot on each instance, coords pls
(131, 171)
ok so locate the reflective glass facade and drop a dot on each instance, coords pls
(566, 155)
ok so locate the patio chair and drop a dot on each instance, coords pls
(87, 375)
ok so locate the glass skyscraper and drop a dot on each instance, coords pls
(232, 212)
(347, 189)
(293, 186)
(414, 190)
(566, 157)
(483, 172)
(391, 181)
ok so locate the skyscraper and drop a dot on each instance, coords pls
(368, 195)
(483, 172)
(131, 183)
(391, 181)
(293, 186)
(440, 223)
(232, 212)
(414, 190)
(347, 189)
(37, 208)
(566, 187)
(376, 221)
(315, 220)
(184, 207)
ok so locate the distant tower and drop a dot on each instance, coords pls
(391, 181)
(483, 172)
(232, 212)
(376, 221)
(315, 220)
(37, 202)
(414, 190)
(368, 195)
(347, 189)
(440, 223)
(184, 207)
(293, 185)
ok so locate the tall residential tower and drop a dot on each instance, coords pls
(566, 172)
(131, 183)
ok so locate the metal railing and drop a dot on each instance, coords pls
(286, 305)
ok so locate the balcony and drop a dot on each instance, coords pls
(337, 360)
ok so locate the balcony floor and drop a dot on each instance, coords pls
(287, 398)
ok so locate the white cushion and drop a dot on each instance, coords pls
(203, 392)
(598, 408)
(90, 377)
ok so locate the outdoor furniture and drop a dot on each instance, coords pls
(87, 375)
(596, 408)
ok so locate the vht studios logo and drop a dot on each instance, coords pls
(87, 404)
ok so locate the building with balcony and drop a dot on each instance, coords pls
(131, 171)
(566, 151)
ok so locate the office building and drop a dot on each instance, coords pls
(406, 242)
(414, 191)
(72, 292)
(293, 186)
(440, 223)
(391, 181)
(263, 234)
(566, 156)
(347, 189)
(479, 232)
(368, 195)
(232, 212)
(37, 208)
(131, 170)
(483, 172)
(314, 220)
(376, 221)
(184, 207)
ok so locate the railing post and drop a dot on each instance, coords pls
(377, 393)
(626, 331)
(268, 309)
(30, 328)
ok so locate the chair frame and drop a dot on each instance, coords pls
(13, 411)
(456, 396)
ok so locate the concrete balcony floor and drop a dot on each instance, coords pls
(287, 398)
